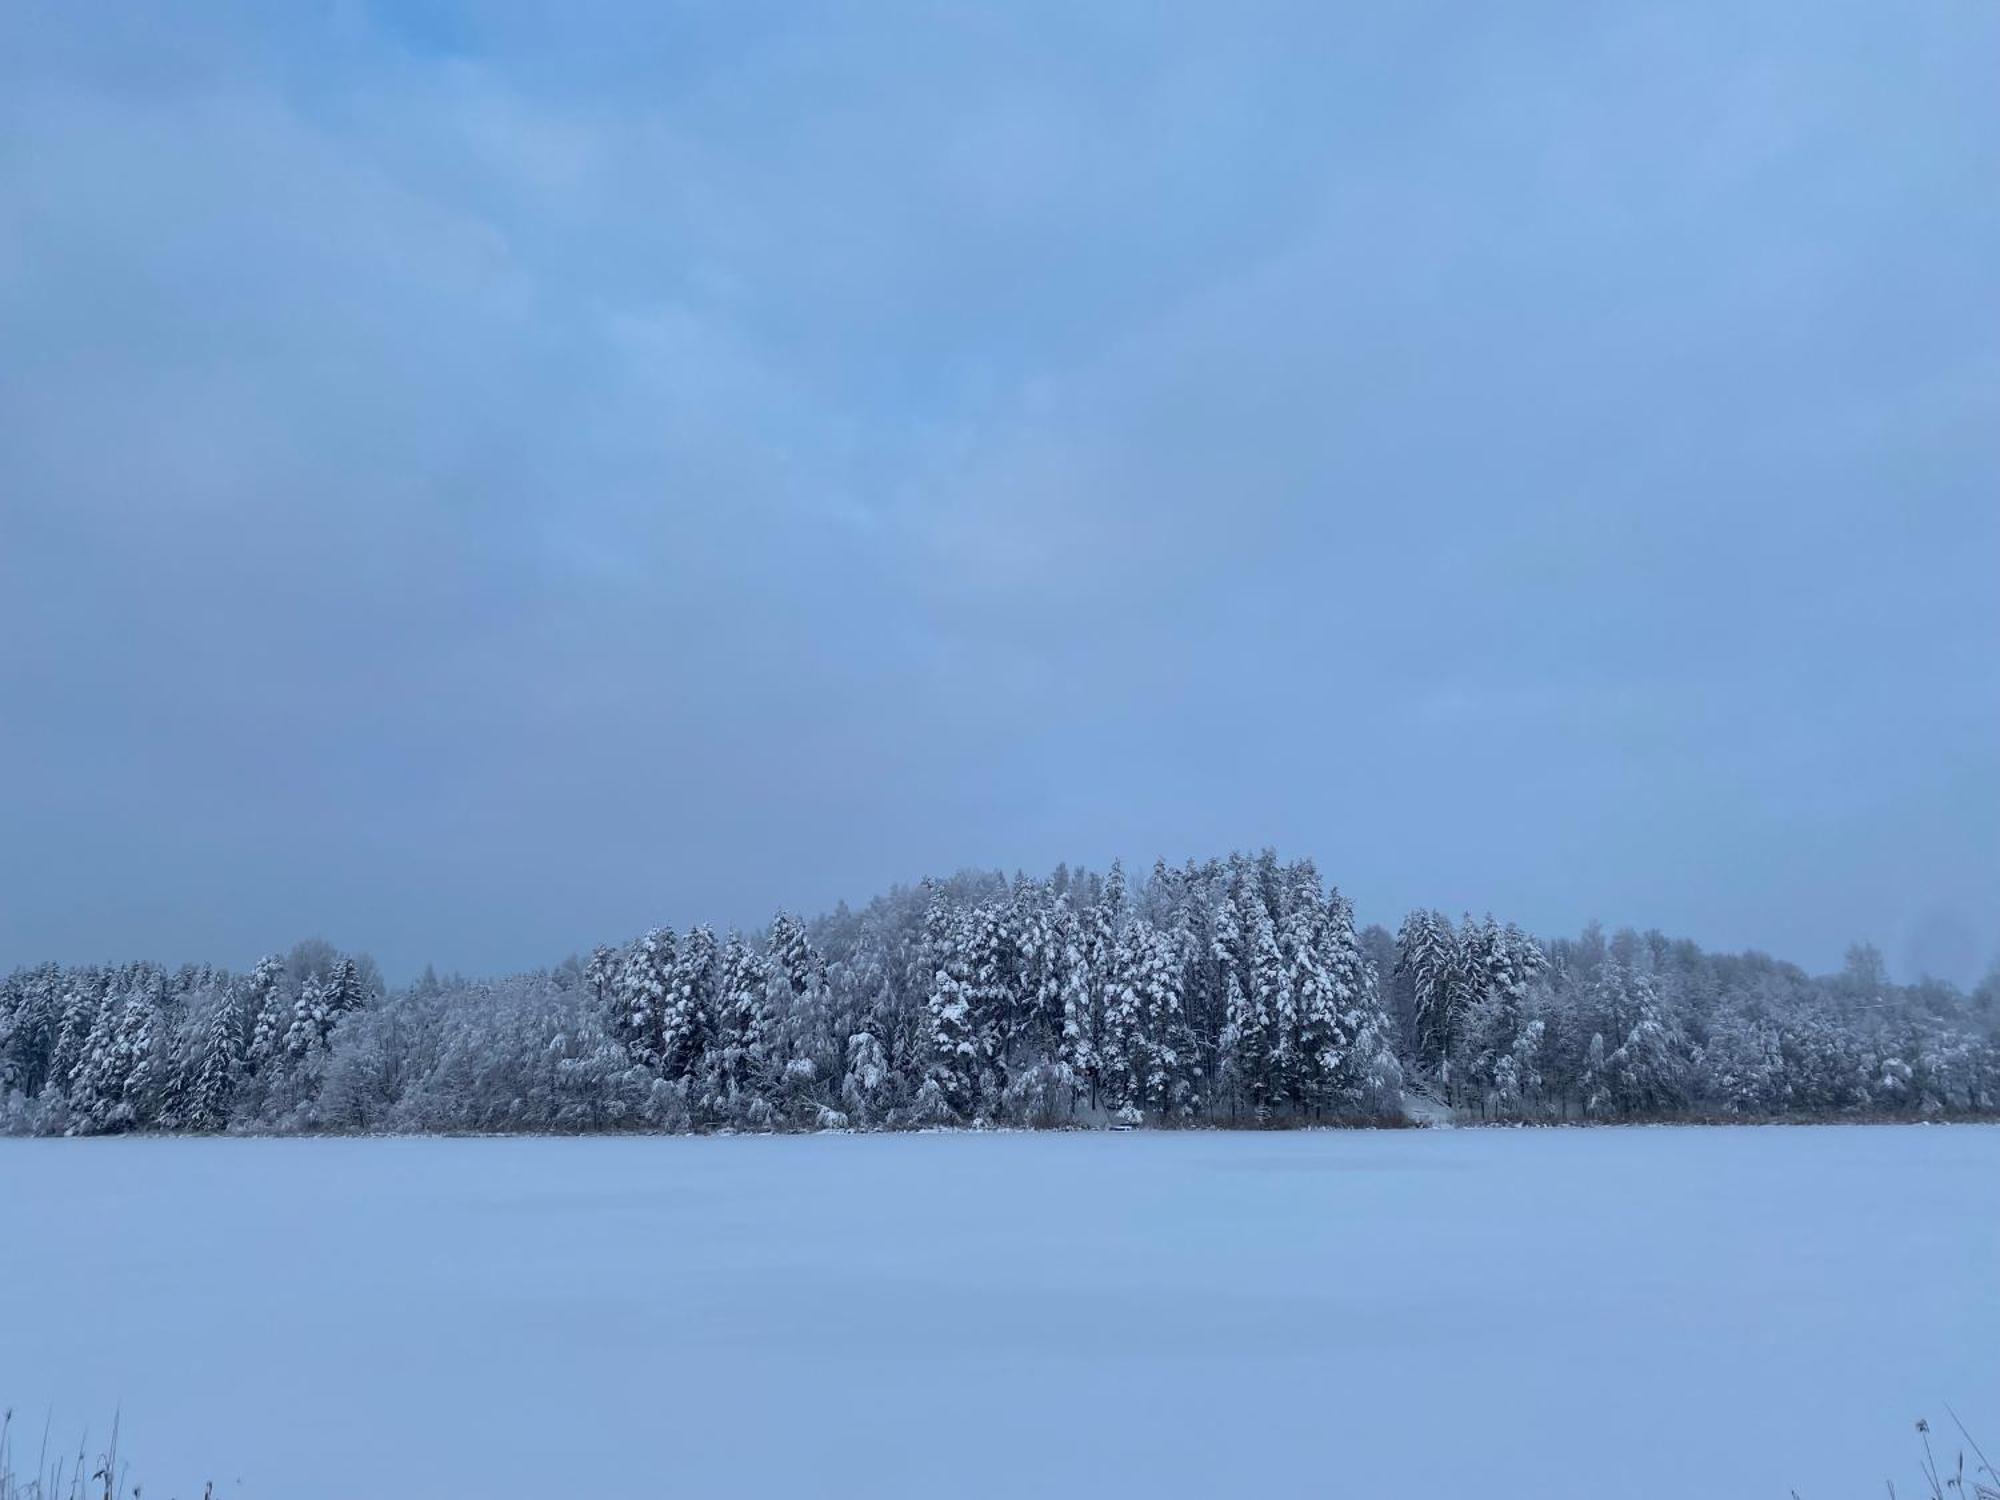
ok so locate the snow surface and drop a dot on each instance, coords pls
(1638, 1312)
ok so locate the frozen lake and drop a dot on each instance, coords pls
(1644, 1312)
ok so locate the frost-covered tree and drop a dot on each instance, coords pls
(954, 1035)
(1361, 1074)
(639, 990)
(1271, 995)
(80, 1012)
(1643, 1071)
(220, 1062)
(1148, 1052)
(799, 1004)
(147, 1046)
(600, 974)
(1312, 1040)
(1065, 1002)
(267, 1008)
(114, 1071)
(1086, 1024)
(742, 1075)
(1428, 962)
(1121, 1039)
(345, 989)
(1502, 1039)
(688, 1021)
(312, 1018)
(867, 1087)
(1251, 970)
(31, 1012)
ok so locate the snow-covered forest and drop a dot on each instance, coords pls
(1235, 991)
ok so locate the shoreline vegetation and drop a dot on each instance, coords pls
(1069, 1127)
(1961, 1471)
(1233, 993)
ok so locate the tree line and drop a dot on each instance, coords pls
(1232, 991)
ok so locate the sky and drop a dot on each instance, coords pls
(479, 481)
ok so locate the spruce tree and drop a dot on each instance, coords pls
(220, 1062)
(82, 1003)
(311, 1020)
(1171, 1081)
(1086, 1019)
(1428, 960)
(265, 1005)
(143, 1056)
(954, 1038)
(688, 1023)
(741, 1076)
(1364, 1075)
(639, 996)
(866, 1088)
(344, 991)
(1644, 1073)
(1122, 1055)
(1271, 1001)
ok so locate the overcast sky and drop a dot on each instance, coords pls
(475, 484)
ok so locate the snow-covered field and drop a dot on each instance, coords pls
(1629, 1313)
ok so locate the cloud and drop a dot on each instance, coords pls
(478, 488)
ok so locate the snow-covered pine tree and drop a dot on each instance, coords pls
(220, 1063)
(34, 1014)
(1199, 982)
(1035, 1025)
(264, 1002)
(742, 1075)
(797, 961)
(99, 1083)
(1489, 1017)
(1172, 1082)
(1644, 1074)
(12, 1007)
(600, 973)
(1314, 1028)
(809, 1059)
(1122, 1049)
(994, 995)
(82, 1005)
(1149, 1062)
(143, 1046)
(1270, 999)
(688, 1023)
(90, 1085)
(1086, 1018)
(875, 995)
(1041, 1085)
(1245, 1043)
(866, 1088)
(639, 995)
(180, 1056)
(345, 992)
(791, 949)
(1593, 1082)
(1499, 1041)
(1428, 961)
(1747, 1064)
(1229, 947)
(1074, 1043)
(311, 1019)
(1366, 1077)
(954, 1037)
